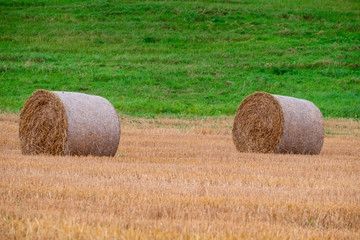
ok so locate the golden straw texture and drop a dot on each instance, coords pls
(268, 123)
(258, 124)
(89, 124)
(43, 124)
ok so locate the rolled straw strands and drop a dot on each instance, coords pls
(268, 123)
(68, 123)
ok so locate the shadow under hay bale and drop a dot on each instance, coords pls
(68, 123)
(266, 123)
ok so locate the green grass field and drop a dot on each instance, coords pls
(183, 58)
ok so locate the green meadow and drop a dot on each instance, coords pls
(182, 58)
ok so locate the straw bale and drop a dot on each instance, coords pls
(68, 123)
(268, 123)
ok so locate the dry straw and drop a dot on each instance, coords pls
(68, 123)
(268, 123)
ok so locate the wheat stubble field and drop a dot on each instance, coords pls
(182, 179)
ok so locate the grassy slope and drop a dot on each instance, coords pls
(176, 57)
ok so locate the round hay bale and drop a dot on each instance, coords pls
(266, 123)
(68, 123)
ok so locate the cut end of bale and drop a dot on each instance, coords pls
(43, 124)
(258, 124)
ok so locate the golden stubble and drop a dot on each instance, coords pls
(181, 178)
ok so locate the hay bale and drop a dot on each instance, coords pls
(268, 123)
(68, 123)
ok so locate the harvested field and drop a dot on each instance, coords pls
(181, 178)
